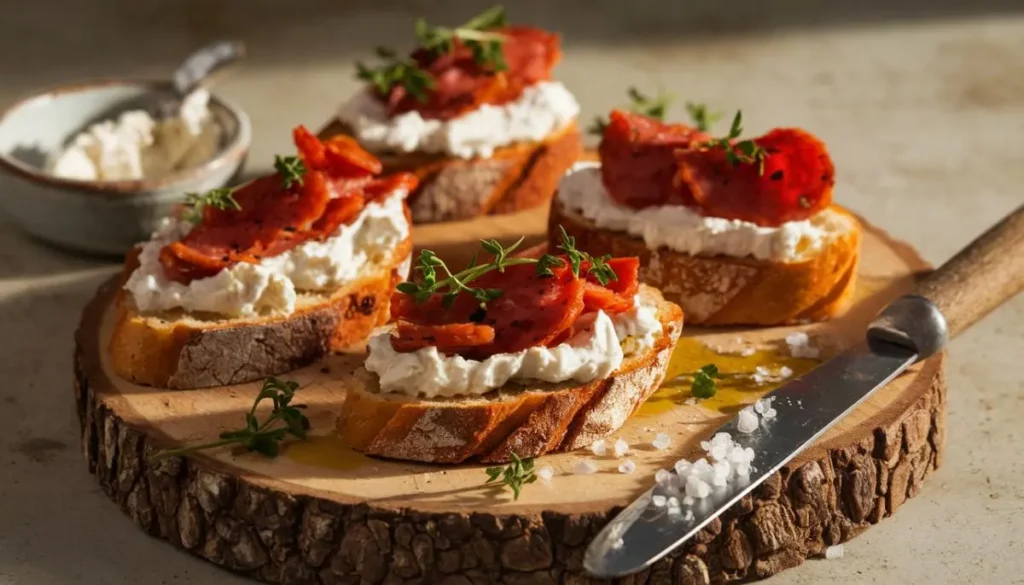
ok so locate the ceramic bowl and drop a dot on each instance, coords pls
(105, 217)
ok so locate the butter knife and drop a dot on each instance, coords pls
(989, 271)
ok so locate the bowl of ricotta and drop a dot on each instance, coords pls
(84, 167)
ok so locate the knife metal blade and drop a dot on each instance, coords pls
(806, 407)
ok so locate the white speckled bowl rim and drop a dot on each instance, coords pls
(229, 154)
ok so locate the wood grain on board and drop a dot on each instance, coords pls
(322, 514)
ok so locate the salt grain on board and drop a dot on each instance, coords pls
(661, 441)
(627, 466)
(599, 448)
(834, 552)
(585, 467)
(621, 447)
(799, 345)
(545, 473)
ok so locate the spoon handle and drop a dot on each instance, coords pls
(205, 61)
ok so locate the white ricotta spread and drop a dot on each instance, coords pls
(135, 146)
(683, 229)
(594, 352)
(542, 109)
(272, 286)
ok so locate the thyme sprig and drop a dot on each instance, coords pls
(396, 71)
(702, 117)
(291, 169)
(475, 35)
(639, 103)
(742, 152)
(262, 437)
(451, 284)
(703, 385)
(513, 475)
(222, 199)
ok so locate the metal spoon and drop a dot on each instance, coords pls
(193, 71)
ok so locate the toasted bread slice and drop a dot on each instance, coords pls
(525, 419)
(515, 177)
(722, 290)
(175, 349)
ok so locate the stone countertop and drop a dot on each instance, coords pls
(923, 115)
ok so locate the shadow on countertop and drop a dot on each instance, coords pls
(63, 38)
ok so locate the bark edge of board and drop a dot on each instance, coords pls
(299, 539)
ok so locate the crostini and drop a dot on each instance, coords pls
(737, 232)
(474, 113)
(518, 355)
(246, 283)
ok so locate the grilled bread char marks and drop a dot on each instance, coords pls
(179, 349)
(525, 419)
(175, 350)
(516, 177)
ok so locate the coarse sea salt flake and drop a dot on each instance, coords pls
(545, 473)
(662, 475)
(688, 516)
(661, 441)
(682, 467)
(770, 414)
(627, 466)
(585, 467)
(658, 500)
(834, 552)
(799, 345)
(747, 421)
(785, 372)
(673, 502)
(688, 500)
(599, 448)
(621, 447)
(759, 406)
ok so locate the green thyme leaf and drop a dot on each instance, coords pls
(291, 169)
(704, 381)
(260, 436)
(514, 475)
(222, 199)
(652, 107)
(702, 117)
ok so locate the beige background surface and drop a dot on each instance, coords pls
(921, 102)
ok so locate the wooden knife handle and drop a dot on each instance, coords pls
(989, 271)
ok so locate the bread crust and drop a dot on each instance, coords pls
(515, 177)
(179, 353)
(525, 420)
(722, 290)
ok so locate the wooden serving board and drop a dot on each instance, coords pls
(320, 513)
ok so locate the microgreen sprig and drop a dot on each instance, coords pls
(396, 71)
(291, 169)
(474, 34)
(262, 437)
(704, 381)
(742, 152)
(702, 117)
(513, 475)
(451, 284)
(222, 199)
(652, 107)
